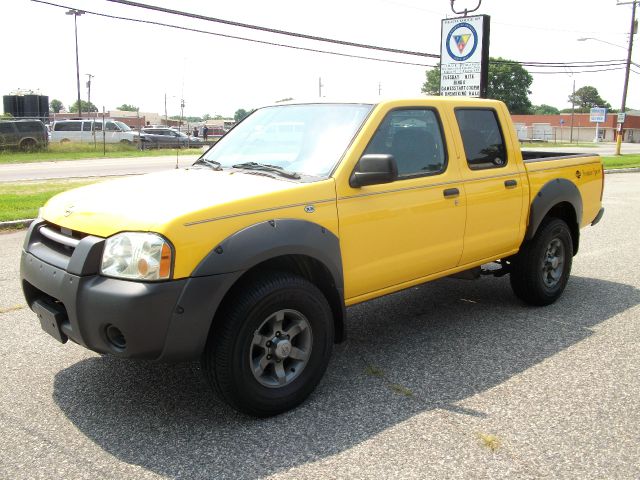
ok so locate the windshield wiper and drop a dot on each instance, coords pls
(265, 167)
(209, 163)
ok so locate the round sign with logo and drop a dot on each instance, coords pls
(462, 42)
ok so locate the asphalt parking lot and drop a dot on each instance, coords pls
(454, 379)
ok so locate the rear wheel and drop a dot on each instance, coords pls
(540, 271)
(125, 142)
(28, 145)
(270, 345)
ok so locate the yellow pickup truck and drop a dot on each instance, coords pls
(248, 259)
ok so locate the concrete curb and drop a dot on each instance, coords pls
(17, 224)
(622, 170)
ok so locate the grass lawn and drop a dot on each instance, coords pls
(623, 161)
(19, 201)
(555, 145)
(79, 151)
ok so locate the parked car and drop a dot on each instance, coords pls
(153, 137)
(23, 134)
(90, 130)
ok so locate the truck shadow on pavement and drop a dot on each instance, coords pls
(418, 350)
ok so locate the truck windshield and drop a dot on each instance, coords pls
(308, 139)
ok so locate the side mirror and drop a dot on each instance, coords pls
(374, 169)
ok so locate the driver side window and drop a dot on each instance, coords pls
(414, 138)
(482, 138)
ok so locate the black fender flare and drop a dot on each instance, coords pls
(267, 240)
(551, 194)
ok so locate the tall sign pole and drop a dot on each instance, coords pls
(464, 56)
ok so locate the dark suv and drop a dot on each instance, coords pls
(23, 134)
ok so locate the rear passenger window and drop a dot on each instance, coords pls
(68, 126)
(414, 138)
(482, 138)
(6, 128)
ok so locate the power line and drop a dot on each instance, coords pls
(236, 37)
(591, 65)
(581, 71)
(271, 30)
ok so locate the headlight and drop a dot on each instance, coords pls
(137, 256)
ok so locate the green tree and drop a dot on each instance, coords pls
(125, 107)
(56, 106)
(206, 117)
(86, 107)
(507, 81)
(545, 110)
(240, 114)
(586, 98)
(288, 99)
(6, 115)
(432, 85)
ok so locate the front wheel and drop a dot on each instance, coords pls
(270, 344)
(540, 271)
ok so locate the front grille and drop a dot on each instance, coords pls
(60, 239)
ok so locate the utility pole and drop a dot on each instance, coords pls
(320, 85)
(89, 89)
(166, 122)
(626, 76)
(573, 106)
(379, 88)
(76, 14)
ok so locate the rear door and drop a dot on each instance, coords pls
(493, 183)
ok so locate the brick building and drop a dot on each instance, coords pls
(557, 128)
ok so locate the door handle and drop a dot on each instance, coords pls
(451, 193)
(510, 183)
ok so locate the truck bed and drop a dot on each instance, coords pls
(583, 171)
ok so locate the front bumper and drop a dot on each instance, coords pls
(162, 321)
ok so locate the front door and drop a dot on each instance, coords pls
(395, 233)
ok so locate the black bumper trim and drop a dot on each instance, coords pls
(598, 217)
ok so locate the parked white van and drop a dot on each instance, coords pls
(90, 130)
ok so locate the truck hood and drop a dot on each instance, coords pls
(160, 201)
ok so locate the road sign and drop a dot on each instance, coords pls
(464, 56)
(597, 115)
(621, 117)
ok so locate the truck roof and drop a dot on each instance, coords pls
(386, 100)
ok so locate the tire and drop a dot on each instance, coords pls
(28, 145)
(540, 271)
(65, 140)
(253, 369)
(125, 142)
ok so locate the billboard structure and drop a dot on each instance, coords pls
(464, 56)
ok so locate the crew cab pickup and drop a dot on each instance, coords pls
(248, 259)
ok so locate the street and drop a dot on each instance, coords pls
(96, 167)
(453, 379)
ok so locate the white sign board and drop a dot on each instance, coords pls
(621, 117)
(461, 56)
(597, 115)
